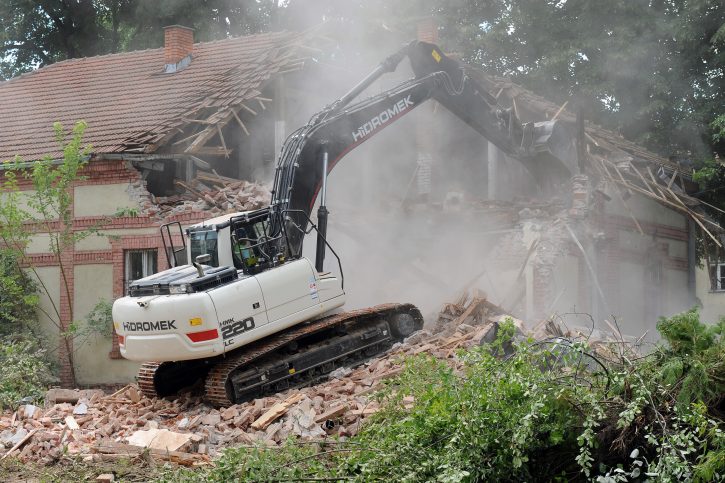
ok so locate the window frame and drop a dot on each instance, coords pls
(149, 264)
(717, 277)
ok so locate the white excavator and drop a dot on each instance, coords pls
(249, 315)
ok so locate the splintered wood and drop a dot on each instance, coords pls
(185, 431)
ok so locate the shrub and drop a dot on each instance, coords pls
(24, 372)
(18, 297)
(552, 411)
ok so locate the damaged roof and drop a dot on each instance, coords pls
(128, 101)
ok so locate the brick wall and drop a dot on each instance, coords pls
(103, 172)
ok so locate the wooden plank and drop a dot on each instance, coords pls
(595, 279)
(248, 109)
(672, 179)
(201, 139)
(644, 181)
(563, 106)
(389, 374)
(19, 443)
(275, 412)
(188, 188)
(696, 218)
(122, 390)
(214, 151)
(629, 210)
(188, 138)
(331, 414)
(473, 306)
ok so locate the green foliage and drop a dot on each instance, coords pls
(693, 364)
(35, 34)
(48, 207)
(24, 371)
(18, 298)
(718, 125)
(98, 322)
(552, 411)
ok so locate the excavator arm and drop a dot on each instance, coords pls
(546, 149)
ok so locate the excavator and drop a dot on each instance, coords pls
(248, 315)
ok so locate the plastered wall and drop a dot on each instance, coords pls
(106, 199)
(93, 366)
(49, 276)
(713, 303)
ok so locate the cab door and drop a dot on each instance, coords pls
(288, 289)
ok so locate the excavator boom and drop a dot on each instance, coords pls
(545, 148)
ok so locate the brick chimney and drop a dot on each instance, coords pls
(178, 47)
(425, 130)
(428, 30)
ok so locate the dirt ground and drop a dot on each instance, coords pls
(68, 469)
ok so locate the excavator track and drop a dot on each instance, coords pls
(160, 379)
(218, 390)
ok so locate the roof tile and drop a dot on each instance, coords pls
(126, 96)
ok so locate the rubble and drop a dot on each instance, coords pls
(211, 194)
(184, 430)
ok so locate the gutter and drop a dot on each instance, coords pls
(29, 164)
(199, 163)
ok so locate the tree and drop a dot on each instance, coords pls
(651, 70)
(47, 209)
(35, 34)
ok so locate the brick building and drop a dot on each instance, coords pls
(155, 119)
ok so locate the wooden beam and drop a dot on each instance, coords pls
(248, 109)
(672, 179)
(20, 443)
(200, 140)
(214, 151)
(244, 128)
(188, 138)
(276, 412)
(559, 111)
(221, 138)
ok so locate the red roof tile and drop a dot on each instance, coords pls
(125, 97)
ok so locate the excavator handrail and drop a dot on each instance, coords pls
(306, 232)
(172, 250)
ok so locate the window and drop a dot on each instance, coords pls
(717, 277)
(138, 264)
(202, 243)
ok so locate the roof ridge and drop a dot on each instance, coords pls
(135, 52)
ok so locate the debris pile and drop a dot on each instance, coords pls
(213, 195)
(208, 193)
(125, 424)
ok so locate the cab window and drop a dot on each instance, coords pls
(203, 242)
(247, 251)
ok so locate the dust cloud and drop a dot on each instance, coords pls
(398, 246)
